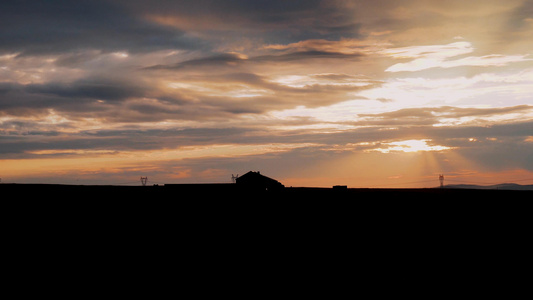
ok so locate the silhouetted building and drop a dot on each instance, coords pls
(256, 181)
(340, 187)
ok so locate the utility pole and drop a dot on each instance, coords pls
(144, 180)
(441, 179)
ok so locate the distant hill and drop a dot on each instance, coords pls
(501, 186)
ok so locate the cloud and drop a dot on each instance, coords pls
(441, 56)
(446, 116)
(235, 60)
(59, 27)
(223, 59)
(409, 146)
(496, 60)
(273, 21)
(88, 88)
(408, 124)
(520, 18)
(304, 55)
(82, 95)
(237, 83)
(439, 52)
(344, 46)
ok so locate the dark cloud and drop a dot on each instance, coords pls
(127, 139)
(303, 55)
(79, 96)
(224, 59)
(231, 60)
(44, 27)
(89, 88)
(30, 27)
(520, 17)
(76, 59)
(15, 100)
(255, 9)
(276, 21)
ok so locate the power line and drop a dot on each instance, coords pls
(448, 179)
(468, 181)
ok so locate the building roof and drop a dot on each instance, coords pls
(255, 179)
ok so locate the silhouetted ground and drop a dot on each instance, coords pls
(226, 192)
(220, 220)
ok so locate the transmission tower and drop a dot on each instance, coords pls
(144, 180)
(234, 178)
(441, 179)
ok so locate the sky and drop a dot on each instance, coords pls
(382, 93)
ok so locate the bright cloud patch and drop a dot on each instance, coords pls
(439, 56)
(410, 146)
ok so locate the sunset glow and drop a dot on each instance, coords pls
(312, 93)
(411, 146)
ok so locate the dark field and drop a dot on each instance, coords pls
(223, 215)
(227, 192)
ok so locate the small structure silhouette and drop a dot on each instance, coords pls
(340, 187)
(441, 179)
(256, 181)
(233, 178)
(144, 180)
